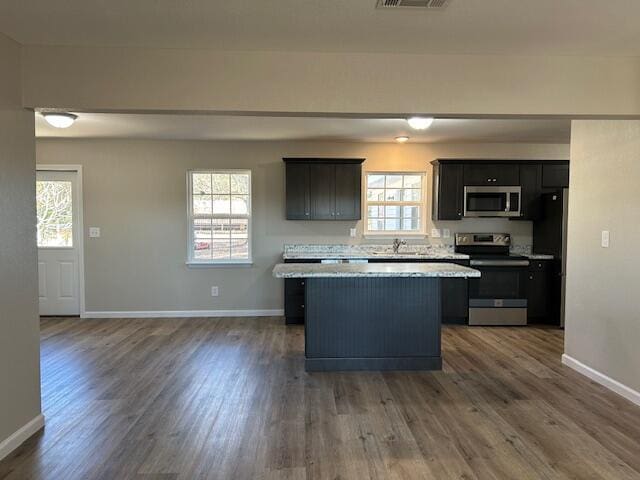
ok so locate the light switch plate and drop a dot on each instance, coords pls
(94, 232)
(214, 291)
(446, 233)
(352, 232)
(605, 239)
(435, 233)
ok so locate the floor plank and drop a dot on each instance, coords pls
(227, 398)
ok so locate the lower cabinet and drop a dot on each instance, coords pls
(294, 297)
(455, 294)
(455, 300)
(294, 300)
(541, 292)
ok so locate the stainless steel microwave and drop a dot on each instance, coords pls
(492, 201)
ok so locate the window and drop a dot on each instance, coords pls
(55, 213)
(219, 216)
(394, 203)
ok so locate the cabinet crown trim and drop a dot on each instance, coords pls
(322, 160)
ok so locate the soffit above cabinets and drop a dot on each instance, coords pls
(478, 27)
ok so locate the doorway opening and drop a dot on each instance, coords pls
(60, 240)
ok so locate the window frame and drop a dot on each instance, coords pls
(422, 205)
(191, 260)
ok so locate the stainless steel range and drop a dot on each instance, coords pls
(498, 297)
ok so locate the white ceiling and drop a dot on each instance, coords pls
(561, 27)
(213, 127)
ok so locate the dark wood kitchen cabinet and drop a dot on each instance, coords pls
(531, 183)
(478, 173)
(323, 189)
(455, 300)
(448, 191)
(348, 187)
(555, 175)
(294, 301)
(539, 300)
(535, 177)
(455, 293)
(297, 191)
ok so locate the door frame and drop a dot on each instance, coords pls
(80, 228)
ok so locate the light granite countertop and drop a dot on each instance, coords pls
(406, 252)
(417, 252)
(340, 270)
(538, 256)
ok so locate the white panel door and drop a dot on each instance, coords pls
(58, 253)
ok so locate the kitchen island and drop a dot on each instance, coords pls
(372, 316)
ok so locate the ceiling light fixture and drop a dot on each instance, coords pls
(402, 139)
(420, 123)
(59, 120)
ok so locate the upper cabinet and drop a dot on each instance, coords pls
(448, 191)
(534, 177)
(491, 174)
(555, 175)
(531, 183)
(297, 191)
(323, 189)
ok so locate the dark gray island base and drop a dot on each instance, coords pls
(372, 317)
(372, 324)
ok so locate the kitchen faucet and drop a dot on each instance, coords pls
(397, 243)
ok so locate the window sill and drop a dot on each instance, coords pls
(246, 263)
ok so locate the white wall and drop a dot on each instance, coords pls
(177, 79)
(135, 191)
(603, 287)
(19, 326)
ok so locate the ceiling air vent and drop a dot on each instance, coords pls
(430, 4)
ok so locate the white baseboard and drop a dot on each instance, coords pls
(20, 436)
(602, 379)
(184, 313)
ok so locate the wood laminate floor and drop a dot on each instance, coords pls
(228, 399)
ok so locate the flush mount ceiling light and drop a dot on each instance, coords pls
(59, 120)
(402, 139)
(420, 123)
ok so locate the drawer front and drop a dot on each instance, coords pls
(538, 265)
(294, 286)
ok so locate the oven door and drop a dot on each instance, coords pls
(499, 296)
(492, 201)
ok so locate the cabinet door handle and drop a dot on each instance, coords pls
(530, 277)
(307, 214)
(338, 213)
(301, 283)
(302, 305)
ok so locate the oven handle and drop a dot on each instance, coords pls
(499, 263)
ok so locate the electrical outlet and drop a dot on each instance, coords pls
(352, 232)
(605, 239)
(435, 233)
(94, 232)
(214, 291)
(446, 233)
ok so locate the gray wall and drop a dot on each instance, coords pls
(135, 191)
(603, 316)
(19, 327)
